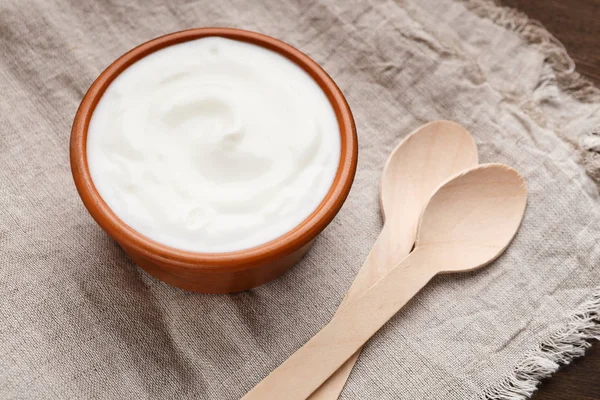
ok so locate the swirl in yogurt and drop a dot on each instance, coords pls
(213, 145)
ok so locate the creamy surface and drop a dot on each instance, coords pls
(213, 145)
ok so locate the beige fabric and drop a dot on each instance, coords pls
(79, 320)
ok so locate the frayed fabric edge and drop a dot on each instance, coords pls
(561, 71)
(558, 72)
(560, 349)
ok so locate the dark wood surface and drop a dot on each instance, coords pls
(576, 23)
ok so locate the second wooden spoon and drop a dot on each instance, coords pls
(415, 168)
(468, 222)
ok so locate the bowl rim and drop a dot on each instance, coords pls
(237, 260)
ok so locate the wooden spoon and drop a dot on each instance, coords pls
(415, 168)
(468, 223)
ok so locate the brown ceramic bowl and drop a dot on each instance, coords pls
(215, 272)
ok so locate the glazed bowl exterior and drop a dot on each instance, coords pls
(215, 272)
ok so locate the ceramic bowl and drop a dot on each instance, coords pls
(215, 272)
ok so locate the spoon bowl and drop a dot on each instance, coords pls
(472, 218)
(420, 163)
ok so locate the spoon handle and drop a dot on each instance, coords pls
(321, 356)
(390, 248)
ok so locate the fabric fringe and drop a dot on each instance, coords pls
(589, 145)
(561, 71)
(558, 73)
(560, 349)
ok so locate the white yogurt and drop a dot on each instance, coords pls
(213, 145)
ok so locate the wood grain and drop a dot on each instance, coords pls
(577, 25)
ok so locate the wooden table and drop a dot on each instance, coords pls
(576, 23)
